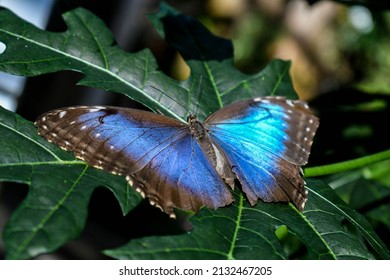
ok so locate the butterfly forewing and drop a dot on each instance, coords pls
(157, 154)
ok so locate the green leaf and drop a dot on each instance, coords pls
(372, 198)
(56, 207)
(210, 59)
(328, 229)
(88, 47)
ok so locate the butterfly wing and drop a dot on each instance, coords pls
(266, 140)
(157, 154)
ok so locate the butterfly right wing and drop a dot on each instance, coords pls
(266, 141)
(157, 154)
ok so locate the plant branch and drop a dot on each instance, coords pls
(346, 165)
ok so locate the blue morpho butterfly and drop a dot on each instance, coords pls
(261, 143)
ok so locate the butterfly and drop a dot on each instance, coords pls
(258, 144)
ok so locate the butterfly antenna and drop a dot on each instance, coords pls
(194, 106)
(175, 100)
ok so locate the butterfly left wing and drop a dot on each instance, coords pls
(266, 140)
(157, 154)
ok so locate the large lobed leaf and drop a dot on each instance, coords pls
(60, 186)
(88, 47)
(56, 207)
(245, 232)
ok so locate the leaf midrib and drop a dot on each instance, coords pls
(46, 218)
(87, 63)
(240, 206)
(44, 163)
(351, 220)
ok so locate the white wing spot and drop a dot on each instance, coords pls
(44, 127)
(128, 178)
(97, 135)
(72, 122)
(95, 109)
(83, 127)
(140, 192)
(43, 119)
(62, 114)
(290, 102)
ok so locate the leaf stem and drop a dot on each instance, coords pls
(346, 165)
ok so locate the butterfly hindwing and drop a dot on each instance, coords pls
(157, 154)
(266, 140)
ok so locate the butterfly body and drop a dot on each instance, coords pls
(260, 143)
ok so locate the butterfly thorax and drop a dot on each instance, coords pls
(199, 132)
(196, 127)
